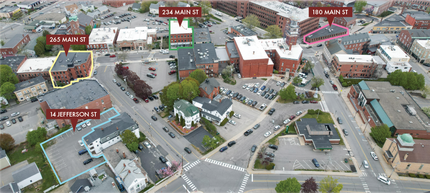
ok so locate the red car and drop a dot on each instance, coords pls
(112, 56)
(314, 101)
(135, 100)
(292, 117)
(334, 87)
(146, 100)
(209, 25)
(125, 68)
(172, 72)
(153, 74)
(152, 68)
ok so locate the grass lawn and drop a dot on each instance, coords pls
(49, 179)
(323, 117)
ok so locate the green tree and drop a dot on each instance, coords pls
(380, 134)
(2, 42)
(289, 185)
(38, 148)
(199, 75)
(182, 121)
(190, 89)
(6, 90)
(330, 185)
(288, 93)
(79, 47)
(426, 90)
(36, 136)
(310, 186)
(317, 82)
(341, 78)
(7, 75)
(39, 48)
(88, 29)
(319, 4)
(177, 118)
(128, 137)
(297, 80)
(45, 32)
(273, 31)
(227, 72)
(133, 146)
(251, 21)
(42, 39)
(308, 66)
(426, 110)
(428, 10)
(17, 15)
(171, 3)
(409, 80)
(358, 5)
(206, 141)
(206, 7)
(6, 141)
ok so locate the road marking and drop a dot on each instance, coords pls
(105, 68)
(188, 181)
(230, 166)
(244, 181)
(188, 167)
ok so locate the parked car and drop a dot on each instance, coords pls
(154, 118)
(345, 132)
(275, 147)
(172, 72)
(232, 122)
(267, 134)
(151, 68)
(20, 119)
(112, 56)
(365, 164)
(299, 113)
(313, 101)
(315, 162)
(296, 102)
(162, 159)
(277, 127)
(231, 143)
(122, 88)
(384, 179)
(140, 146)
(14, 114)
(292, 117)
(172, 135)
(334, 87)
(171, 56)
(263, 106)
(237, 115)
(248, 132)
(253, 148)
(339, 120)
(270, 154)
(13, 121)
(373, 154)
(88, 161)
(256, 126)
(34, 99)
(223, 148)
(305, 102)
(286, 121)
(4, 118)
(188, 150)
(8, 123)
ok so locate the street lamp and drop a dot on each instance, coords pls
(368, 120)
(394, 168)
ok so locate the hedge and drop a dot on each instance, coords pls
(231, 113)
(270, 166)
(224, 122)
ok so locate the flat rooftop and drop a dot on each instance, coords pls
(202, 35)
(327, 31)
(138, 33)
(424, 43)
(394, 20)
(282, 48)
(104, 35)
(285, 10)
(419, 33)
(355, 58)
(205, 53)
(186, 59)
(51, 17)
(37, 65)
(418, 15)
(244, 30)
(232, 49)
(176, 29)
(73, 58)
(7, 9)
(250, 48)
(394, 51)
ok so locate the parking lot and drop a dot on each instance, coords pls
(293, 156)
(64, 156)
(150, 161)
(19, 130)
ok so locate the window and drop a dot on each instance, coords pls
(422, 165)
(409, 165)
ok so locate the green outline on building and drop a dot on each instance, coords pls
(192, 35)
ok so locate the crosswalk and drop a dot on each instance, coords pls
(245, 180)
(188, 181)
(188, 166)
(225, 165)
(330, 92)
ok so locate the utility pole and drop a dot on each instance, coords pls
(394, 168)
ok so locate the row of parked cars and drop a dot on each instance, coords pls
(12, 121)
(238, 96)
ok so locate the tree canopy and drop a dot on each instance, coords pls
(358, 5)
(288, 93)
(199, 75)
(36, 136)
(409, 80)
(88, 29)
(7, 75)
(310, 186)
(190, 89)
(130, 139)
(6, 141)
(380, 133)
(330, 185)
(317, 81)
(273, 31)
(251, 21)
(6, 90)
(289, 185)
(297, 80)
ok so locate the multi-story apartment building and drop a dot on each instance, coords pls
(135, 39)
(30, 88)
(357, 66)
(232, 53)
(186, 111)
(395, 58)
(71, 67)
(407, 155)
(357, 43)
(407, 37)
(418, 20)
(35, 67)
(421, 5)
(103, 39)
(14, 62)
(420, 50)
(12, 46)
(348, 22)
(270, 13)
(203, 56)
(85, 94)
(118, 3)
(180, 36)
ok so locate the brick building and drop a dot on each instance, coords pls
(348, 22)
(270, 13)
(418, 20)
(232, 53)
(357, 66)
(103, 39)
(326, 33)
(71, 67)
(118, 3)
(78, 23)
(180, 36)
(357, 43)
(16, 42)
(30, 88)
(413, 4)
(135, 39)
(392, 24)
(407, 37)
(35, 67)
(407, 155)
(203, 56)
(380, 103)
(85, 94)
(241, 30)
(209, 88)
(378, 7)
(420, 51)
(202, 35)
(14, 62)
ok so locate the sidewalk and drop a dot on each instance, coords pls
(387, 167)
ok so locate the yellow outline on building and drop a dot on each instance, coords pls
(71, 82)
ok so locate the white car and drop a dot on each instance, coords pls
(232, 122)
(147, 144)
(131, 96)
(14, 114)
(244, 86)
(373, 154)
(278, 83)
(259, 92)
(8, 123)
(299, 113)
(384, 179)
(83, 125)
(286, 121)
(88, 124)
(277, 127)
(365, 164)
(267, 134)
(237, 115)
(257, 85)
(81, 143)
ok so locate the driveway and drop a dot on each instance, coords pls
(150, 161)
(196, 138)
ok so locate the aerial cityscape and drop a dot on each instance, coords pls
(215, 96)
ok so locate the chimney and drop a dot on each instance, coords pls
(291, 45)
(253, 52)
(113, 184)
(113, 31)
(123, 154)
(117, 128)
(339, 40)
(206, 89)
(117, 150)
(102, 128)
(406, 156)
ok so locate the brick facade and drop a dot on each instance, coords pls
(417, 24)
(78, 71)
(23, 76)
(353, 69)
(177, 38)
(254, 68)
(13, 49)
(343, 22)
(209, 69)
(117, 3)
(184, 73)
(315, 39)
